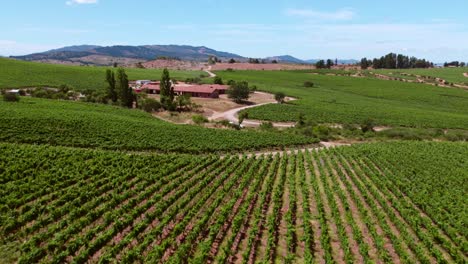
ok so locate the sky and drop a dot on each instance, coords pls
(344, 29)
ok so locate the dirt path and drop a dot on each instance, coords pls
(231, 115)
(210, 73)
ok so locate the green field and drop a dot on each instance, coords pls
(19, 74)
(401, 202)
(339, 99)
(454, 75)
(76, 124)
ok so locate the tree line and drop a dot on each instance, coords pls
(395, 61)
(455, 64)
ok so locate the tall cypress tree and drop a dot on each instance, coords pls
(111, 89)
(167, 91)
(125, 91)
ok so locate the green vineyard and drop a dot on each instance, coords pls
(367, 203)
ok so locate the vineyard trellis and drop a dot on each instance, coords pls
(366, 203)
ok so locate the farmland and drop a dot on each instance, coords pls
(85, 125)
(352, 204)
(18, 74)
(454, 75)
(350, 100)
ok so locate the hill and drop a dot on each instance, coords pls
(18, 74)
(85, 125)
(351, 100)
(83, 53)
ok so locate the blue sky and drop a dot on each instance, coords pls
(437, 30)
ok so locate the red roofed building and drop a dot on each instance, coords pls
(194, 90)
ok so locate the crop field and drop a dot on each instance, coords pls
(365, 203)
(342, 99)
(19, 74)
(454, 75)
(85, 125)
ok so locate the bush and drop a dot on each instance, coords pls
(199, 119)
(195, 80)
(367, 125)
(308, 84)
(267, 126)
(218, 80)
(231, 82)
(229, 69)
(11, 97)
(149, 105)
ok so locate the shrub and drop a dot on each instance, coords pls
(149, 105)
(367, 125)
(267, 126)
(231, 82)
(308, 84)
(199, 119)
(11, 97)
(229, 69)
(279, 97)
(218, 80)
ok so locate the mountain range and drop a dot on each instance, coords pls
(100, 55)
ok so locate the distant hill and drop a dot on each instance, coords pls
(286, 59)
(126, 55)
(88, 54)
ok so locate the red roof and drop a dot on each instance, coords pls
(196, 88)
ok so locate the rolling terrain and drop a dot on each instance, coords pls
(351, 100)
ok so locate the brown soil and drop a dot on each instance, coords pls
(337, 248)
(260, 67)
(174, 65)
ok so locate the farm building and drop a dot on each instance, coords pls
(194, 90)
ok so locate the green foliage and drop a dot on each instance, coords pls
(342, 99)
(78, 124)
(195, 80)
(184, 103)
(239, 91)
(199, 119)
(218, 80)
(367, 125)
(308, 84)
(279, 97)
(10, 97)
(111, 86)
(167, 91)
(149, 105)
(124, 91)
(67, 204)
(242, 116)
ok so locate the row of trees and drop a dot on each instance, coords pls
(321, 64)
(455, 64)
(395, 61)
(118, 89)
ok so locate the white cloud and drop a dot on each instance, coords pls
(342, 14)
(79, 2)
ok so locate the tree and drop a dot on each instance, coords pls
(300, 120)
(149, 105)
(232, 61)
(167, 91)
(242, 117)
(364, 63)
(218, 80)
(279, 97)
(320, 64)
(124, 90)
(111, 86)
(183, 102)
(274, 61)
(239, 91)
(329, 63)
